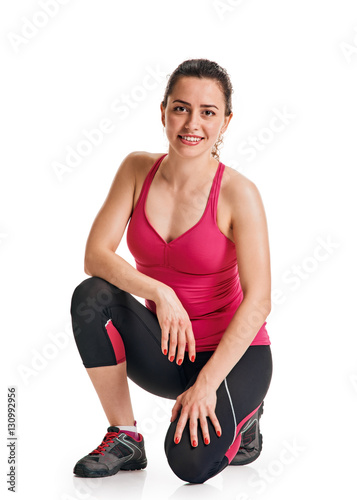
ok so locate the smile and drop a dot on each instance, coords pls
(189, 139)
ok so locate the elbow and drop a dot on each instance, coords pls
(263, 307)
(86, 270)
(87, 266)
(93, 260)
(261, 304)
(266, 305)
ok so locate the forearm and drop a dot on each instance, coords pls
(110, 266)
(240, 333)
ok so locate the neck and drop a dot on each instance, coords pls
(179, 171)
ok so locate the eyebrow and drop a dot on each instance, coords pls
(202, 105)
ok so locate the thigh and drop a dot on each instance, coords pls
(146, 364)
(238, 396)
(95, 302)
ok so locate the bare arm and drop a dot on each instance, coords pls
(251, 239)
(250, 234)
(101, 260)
(107, 231)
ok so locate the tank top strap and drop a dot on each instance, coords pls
(216, 189)
(148, 180)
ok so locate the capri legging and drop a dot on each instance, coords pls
(111, 326)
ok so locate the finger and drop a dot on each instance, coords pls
(191, 343)
(180, 426)
(204, 428)
(181, 343)
(172, 341)
(164, 336)
(175, 410)
(193, 429)
(215, 423)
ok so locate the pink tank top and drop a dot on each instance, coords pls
(200, 265)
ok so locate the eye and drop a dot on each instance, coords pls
(179, 108)
(209, 111)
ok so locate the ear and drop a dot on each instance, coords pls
(227, 119)
(162, 114)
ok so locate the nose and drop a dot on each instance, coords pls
(192, 120)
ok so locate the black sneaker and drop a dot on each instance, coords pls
(118, 451)
(252, 441)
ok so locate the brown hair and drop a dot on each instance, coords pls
(203, 68)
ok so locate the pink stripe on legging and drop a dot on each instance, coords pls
(117, 342)
(233, 449)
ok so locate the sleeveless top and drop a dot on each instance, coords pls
(200, 265)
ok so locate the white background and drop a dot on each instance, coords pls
(292, 58)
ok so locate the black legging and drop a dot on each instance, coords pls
(95, 301)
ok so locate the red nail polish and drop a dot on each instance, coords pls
(172, 358)
(194, 443)
(219, 434)
(165, 351)
(192, 358)
(179, 362)
(206, 441)
(177, 440)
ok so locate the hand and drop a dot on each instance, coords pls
(176, 324)
(197, 403)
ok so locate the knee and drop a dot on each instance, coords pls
(92, 294)
(190, 465)
(187, 470)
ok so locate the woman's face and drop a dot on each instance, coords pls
(194, 115)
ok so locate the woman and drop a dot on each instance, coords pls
(200, 339)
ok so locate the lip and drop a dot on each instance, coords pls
(190, 143)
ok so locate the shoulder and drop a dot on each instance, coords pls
(138, 163)
(139, 158)
(241, 196)
(236, 187)
(134, 169)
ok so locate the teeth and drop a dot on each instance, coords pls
(192, 139)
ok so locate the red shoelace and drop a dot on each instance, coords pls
(108, 438)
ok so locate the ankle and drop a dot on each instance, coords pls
(130, 430)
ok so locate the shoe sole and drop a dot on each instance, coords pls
(82, 471)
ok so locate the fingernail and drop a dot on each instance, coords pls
(206, 441)
(172, 358)
(179, 361)
(192, 358)
(177, 440)
(219, 434)
(194, 443)
(165, 351)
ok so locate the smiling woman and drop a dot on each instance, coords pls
(201, 336)
(218, 88)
